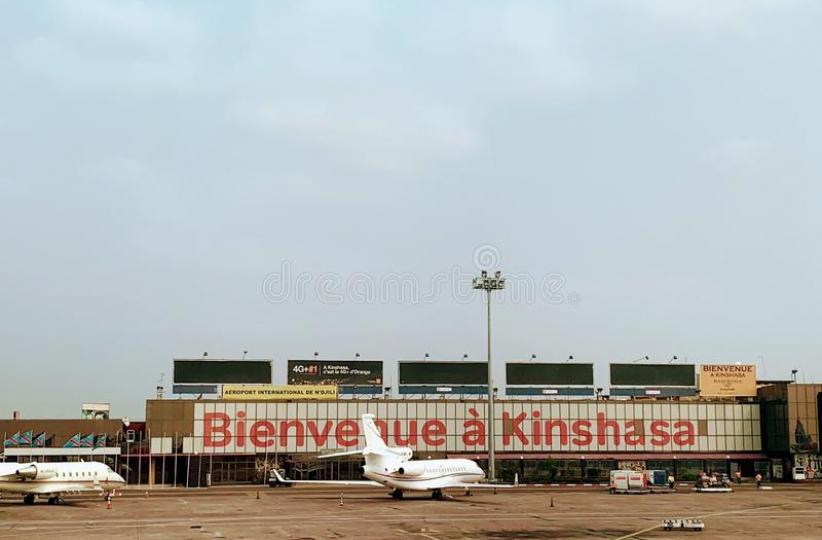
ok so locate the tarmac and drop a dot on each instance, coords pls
(308, 512)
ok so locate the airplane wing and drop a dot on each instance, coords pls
(328, 482)
(336, 482)
(340, 454)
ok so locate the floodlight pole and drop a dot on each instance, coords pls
(492, 476)
(489, 284)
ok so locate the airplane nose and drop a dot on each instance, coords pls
(117, 479)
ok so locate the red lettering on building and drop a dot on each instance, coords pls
(474, 430)
(262, 434)
(603, 425)
(346, 433)
(433, 432)
(209, 430)
(526, 428)
(549, 432)
(410, 439)
(632, 438)
(660, 437)
(582, 430)
(686, 435)
(299, 431)
(239, 439)
(320, 437)
(516, 428)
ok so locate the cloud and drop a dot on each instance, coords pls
(99, 46)
(384, 134)
(709, 15)
(742, 150)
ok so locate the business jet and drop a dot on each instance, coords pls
(32, 480)
(392, 467)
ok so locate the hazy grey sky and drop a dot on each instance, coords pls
(186, 177)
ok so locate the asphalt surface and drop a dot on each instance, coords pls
(788, 511)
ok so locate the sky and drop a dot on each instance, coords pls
(296, 177)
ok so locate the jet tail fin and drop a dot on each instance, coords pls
(373, 439)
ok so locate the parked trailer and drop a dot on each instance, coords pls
(630, 482)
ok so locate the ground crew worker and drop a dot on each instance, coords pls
(671, 481)
(758, 480)
(738, 475)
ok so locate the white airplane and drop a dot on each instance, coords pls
(392, 467)
(32, 480)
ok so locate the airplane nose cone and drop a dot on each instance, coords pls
(117, 480)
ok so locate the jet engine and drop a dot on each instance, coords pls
(411, 468)
(36, 471)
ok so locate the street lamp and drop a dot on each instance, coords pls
(489, 284)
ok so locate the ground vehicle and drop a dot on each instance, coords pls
(657, 479)
(274, 481)
(629, 482)
(686, 524)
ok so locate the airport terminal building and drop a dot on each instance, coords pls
(560, 428)
(540, 440)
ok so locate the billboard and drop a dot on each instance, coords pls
(653, 375)
(444, 373)
(528, 373)
(271, 392)
(222, 371)
(727, 380)
(95, 411)
(194, 389)
(335, 372)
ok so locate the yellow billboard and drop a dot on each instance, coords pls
(727, 380)
(268, 391)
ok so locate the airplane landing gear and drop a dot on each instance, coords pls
(397, 494)
(55, 500)
(437, 495)
(28, 499)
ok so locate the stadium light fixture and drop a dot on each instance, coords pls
(244, 353)
(356, 355)
(570, 357)
(641, 358)
(316, 355)
(673, 359)
(490, 284)
(533, 357)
